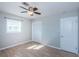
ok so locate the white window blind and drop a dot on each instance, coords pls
(13, 25)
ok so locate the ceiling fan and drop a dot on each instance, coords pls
(31, 10)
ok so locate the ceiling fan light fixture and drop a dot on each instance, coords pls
(31, 10)
(30, 13)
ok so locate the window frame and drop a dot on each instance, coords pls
(16, 23)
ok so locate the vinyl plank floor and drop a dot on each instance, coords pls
(34, 49)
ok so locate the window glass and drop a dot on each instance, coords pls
(13, 25)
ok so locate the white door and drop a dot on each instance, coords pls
(69, 34)
(36, 31)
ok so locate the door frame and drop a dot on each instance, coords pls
(60, 36)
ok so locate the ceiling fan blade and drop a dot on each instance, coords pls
(34, 9)
(25, 3)
(37, 13)
(23, 7)
(24, 12)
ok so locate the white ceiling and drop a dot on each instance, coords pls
(46, 8)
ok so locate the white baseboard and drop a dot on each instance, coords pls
(50, 46)
(47, 45)
(16, 44)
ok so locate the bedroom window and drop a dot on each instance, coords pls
(13, 25)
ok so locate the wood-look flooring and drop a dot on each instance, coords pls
(33, 49)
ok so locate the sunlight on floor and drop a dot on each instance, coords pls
(31, 47)
(35, 47)
(38, 47)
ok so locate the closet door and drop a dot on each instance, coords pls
(69, 34)
(36, 31)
